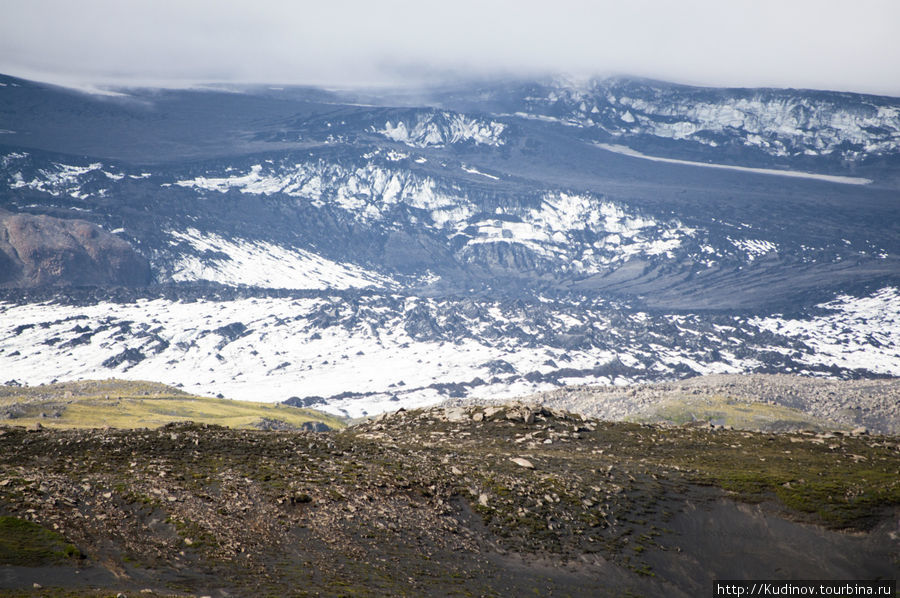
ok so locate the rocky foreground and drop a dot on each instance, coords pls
(506, 500)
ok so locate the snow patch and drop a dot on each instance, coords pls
(366, 192)
(858, 333)
(262, 264)
(438, 129)
(844, 180)
(394, 351)
(57, 179)
(473, 170)
(753, 247)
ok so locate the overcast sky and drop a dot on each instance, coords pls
(825, 44)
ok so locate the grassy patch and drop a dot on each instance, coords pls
(136, 404)
(193, 534)
(727, 411)
(27, 544)
(840, 498)
(848, 483)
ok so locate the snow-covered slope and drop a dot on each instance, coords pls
(497, 240)
(366, 216)
(369, 353)
(367, 189)
(261, 264)
(777, 123)
(852, 332)
(578, 232)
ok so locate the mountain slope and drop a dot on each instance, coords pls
(394, 214)
(822, 130)
(500, 238)
(475, 192)
(362, 352)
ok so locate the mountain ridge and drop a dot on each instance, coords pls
(497, 223)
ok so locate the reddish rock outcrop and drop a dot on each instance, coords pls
(37, 250)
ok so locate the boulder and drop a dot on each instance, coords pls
(522, 462)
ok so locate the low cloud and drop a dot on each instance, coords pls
(802, 43)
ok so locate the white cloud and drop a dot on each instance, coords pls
(801, 43)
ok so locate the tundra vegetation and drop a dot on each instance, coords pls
(138, 404)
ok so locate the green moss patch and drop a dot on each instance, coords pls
(27, 544)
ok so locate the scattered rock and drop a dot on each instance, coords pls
(522, 462)
(456, 415)
(490, 412)
(244, 493)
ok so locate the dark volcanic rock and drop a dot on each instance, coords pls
(304, 402)
(232, 331)
(267, 423)
(130, 356)
(46, 251)
(315, 427)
